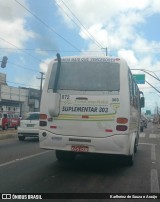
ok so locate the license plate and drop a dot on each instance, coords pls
(79, 148)
(30, 125)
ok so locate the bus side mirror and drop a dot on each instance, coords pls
(142, 102)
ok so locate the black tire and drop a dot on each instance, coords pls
(65, 155)
(129, 160)
(136, 145)
(21, 138)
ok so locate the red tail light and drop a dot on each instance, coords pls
(54, 127)
(121, 128)
(122, 120)
(108, 130)
(43, 116)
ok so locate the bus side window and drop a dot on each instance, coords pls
(131, 89)
(135, 103)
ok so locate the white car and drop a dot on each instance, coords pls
(29, 126)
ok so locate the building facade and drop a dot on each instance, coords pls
(18, 99)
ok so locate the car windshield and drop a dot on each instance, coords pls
(31, 116)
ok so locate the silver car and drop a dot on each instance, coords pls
(29, 126)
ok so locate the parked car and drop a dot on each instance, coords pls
(29, 126)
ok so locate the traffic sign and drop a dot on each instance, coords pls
(139, 78)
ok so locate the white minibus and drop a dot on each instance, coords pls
(90, 105)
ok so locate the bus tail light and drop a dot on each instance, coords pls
(122, 120)
(121, 128)
(54, 127)
(42, 123)
(43, 116)
(108, 131)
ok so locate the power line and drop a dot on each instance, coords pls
(84, 28)
(22, 84)
(20, 66)
(47, 50)
(100, 46)
(21, 50)
(46, 25)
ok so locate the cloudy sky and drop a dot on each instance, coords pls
(32, 32)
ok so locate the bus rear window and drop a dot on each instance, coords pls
(87, 76)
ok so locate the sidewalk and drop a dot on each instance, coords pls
(10, 133)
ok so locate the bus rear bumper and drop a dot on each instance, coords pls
(116, 144)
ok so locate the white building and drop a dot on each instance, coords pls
(20, 100)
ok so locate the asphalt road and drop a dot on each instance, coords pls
(25, 168)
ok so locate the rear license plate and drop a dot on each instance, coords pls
(79, 148)
(30, 125)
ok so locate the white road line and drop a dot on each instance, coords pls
(143, 143)
(154, 181)
(153, 152)
(142, 135)
(152, 135)
(24, 158)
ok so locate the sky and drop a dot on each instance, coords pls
(32, 32)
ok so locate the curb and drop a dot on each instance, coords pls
(9, 135)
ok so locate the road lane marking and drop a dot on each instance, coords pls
(154, 181)
(153, 152)
(142, 135)
(152, 135)
(24, 158)
(143, 143)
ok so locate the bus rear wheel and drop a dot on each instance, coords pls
(129, 160)
(65, 155)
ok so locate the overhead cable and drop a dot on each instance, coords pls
(46, 25)
(83, 27)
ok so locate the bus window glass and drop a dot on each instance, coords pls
(5, 115)
(88, 77)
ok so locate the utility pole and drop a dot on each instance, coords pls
(41, 78)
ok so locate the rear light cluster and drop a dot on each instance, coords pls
(43, 123)
(121, 128)
(44, 118)
(122, 121)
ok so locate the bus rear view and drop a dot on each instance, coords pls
(90, 105)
